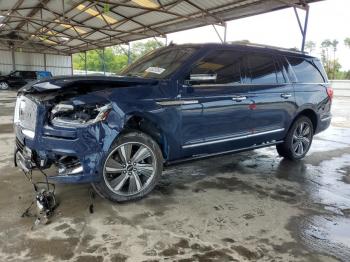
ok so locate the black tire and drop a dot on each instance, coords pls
(295, 145)
(133, 144)
(4, 85)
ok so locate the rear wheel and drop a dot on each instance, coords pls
(298, 140)
(4, 86)
(132, 168)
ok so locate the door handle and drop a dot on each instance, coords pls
(239, 98)
(286, 95)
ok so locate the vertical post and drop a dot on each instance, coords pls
(13, 58)
(225, 32)
(103, 60)
(71, 64)
(129, 54)
(85, 62)
(45, 62)
(305, 28)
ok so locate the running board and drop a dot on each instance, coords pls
(204, 156)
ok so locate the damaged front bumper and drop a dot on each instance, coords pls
(74, 155)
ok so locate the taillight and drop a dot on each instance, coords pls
(330, 92)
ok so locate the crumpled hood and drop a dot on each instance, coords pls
(62, 83)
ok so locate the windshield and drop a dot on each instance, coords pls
(159, 64)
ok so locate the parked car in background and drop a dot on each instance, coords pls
(175, 104)
(17, 79)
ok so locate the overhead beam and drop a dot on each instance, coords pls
(110, 32)
(33, 12)
(299, 6)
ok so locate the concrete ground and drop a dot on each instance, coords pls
(244, 207)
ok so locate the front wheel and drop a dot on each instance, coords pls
(298, 140)
(132, 168)
(4, 86)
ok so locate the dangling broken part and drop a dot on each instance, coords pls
(45, 199)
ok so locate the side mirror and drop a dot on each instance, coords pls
(203, 77)
(198, 79)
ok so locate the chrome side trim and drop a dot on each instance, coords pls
(177, 102)
(204, 156)
(232, 138)
(326, 118)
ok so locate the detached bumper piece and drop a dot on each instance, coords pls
(23, 157)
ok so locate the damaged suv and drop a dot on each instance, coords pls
(177, 103)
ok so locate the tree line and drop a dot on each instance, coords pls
(329, 58)
(115, 58)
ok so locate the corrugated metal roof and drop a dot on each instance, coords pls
(71, 26)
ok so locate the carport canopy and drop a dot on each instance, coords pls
(71, 26)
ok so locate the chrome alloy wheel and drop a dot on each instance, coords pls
(301, 138)
(4, 85)
(129, 168)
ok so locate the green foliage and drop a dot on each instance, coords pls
(116, 57)
(347, 42)
(139, 49)
(310, 46)
(330, 62)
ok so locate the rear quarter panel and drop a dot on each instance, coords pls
(314, 97)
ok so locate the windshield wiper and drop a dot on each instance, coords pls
(134, 75)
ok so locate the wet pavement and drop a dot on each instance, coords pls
(253, 206)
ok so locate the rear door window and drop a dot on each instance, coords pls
(218, 67)
(28, 74)
(16, 74)
(305, 71)
(264, 70)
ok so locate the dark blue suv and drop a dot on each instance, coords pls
(177, 103)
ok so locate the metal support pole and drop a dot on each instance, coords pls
(103, 61)
(13, 58)
(222, 41)
(129, 54)
(305, 28)
(298, 19)
(225, 32)
(71, 64)
(85, 63)
(45, 62)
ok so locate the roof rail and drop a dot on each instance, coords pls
(245, 43)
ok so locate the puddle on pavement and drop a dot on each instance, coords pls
(329, 235)
(331, 139)
(332, 191)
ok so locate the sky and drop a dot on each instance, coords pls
(328, 19)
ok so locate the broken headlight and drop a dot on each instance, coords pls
(80, 115)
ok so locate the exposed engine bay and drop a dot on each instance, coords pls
(69, 114)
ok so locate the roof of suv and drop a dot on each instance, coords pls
(248, 46)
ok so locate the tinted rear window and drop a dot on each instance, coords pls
(305, 71)
(28, 74)
(264, 70)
